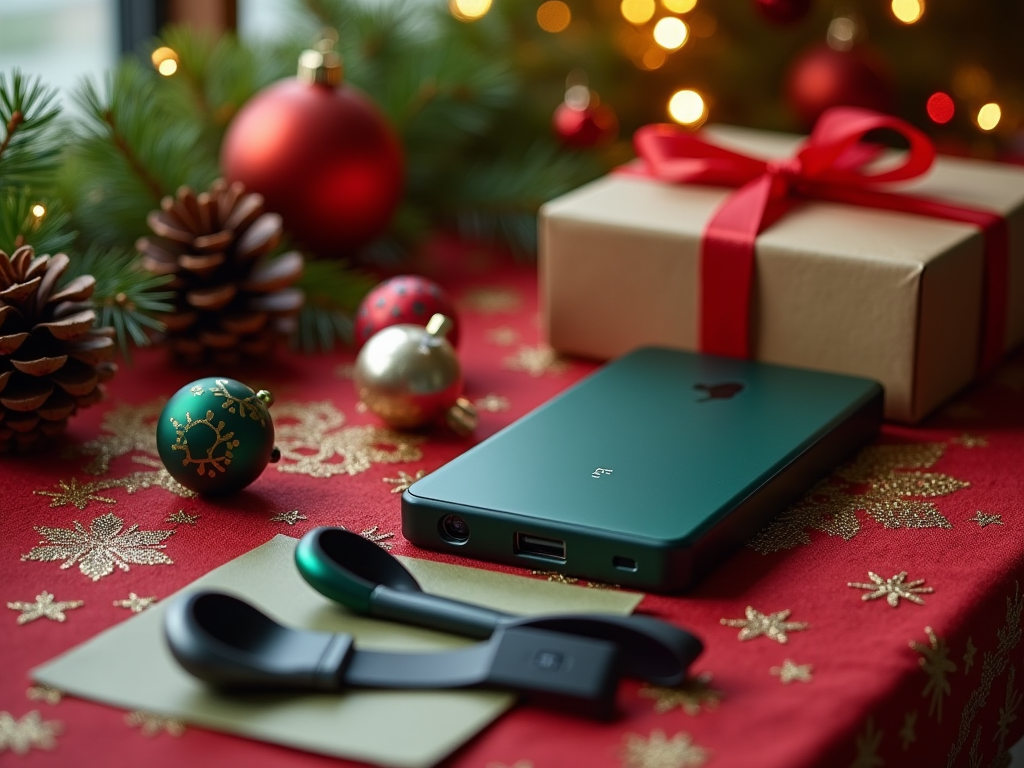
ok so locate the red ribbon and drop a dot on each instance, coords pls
(830, 165)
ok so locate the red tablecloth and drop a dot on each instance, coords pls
(920, 665)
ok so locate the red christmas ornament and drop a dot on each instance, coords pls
(783, 11)
(404, 299)
(822, 78)
(582, 121)
(321, 154)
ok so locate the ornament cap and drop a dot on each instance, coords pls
(265, 397)
(462, 417)
(320, 66)
(440, 325)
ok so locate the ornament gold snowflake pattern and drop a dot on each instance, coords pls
(250, 406)
(217, 458)
(770, 625)
(134, 603)
(791, 672)
(290, 518)
(150, 724)
(660, 751)
(101, 547)
(867, 745)
(490, 301)
(694, 696)
(181, 517)
(893, 589)
(935, 662)
(536, 361)
(883, 481)
(984, 519)
(404, 480)
(908, 733)
(44, 606)
(71, 493)
(47, 693)
(27, 733)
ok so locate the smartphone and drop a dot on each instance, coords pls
(647, 473)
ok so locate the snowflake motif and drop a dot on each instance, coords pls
(44, 606)
(47, 693)
(138, 481)
(182, 517)
(694, 696)
(983, 519)
(771, 625)
(380, 539)
(358, 447)
(492, 403)
(404, 480)
(131, 428)
(791, 671)
(291, 518)
(490, 301)
(893, 589)
(31, 731)
(934, 660)
(503, 337)
(150, 724)
(536, 361)
(134, 603)
(74, 494)
(659, 751)
(867, 747)
(100, 548)
(970, 441)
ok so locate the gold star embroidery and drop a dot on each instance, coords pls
(44, 606)
(772, 625)
(694, 696)
(381, 539)
(907, 732)
(404, 480)
(790, 671)
(894, 498)
(970, 441)
(893, 589)
(969, 652)
(492, 403)
(73, 493)
(31, 731)
(659, 751)
(504, 336)
(131, 428)
(291, 518)
(536, 361)
(490, 301)
(151, 724)
(100, 548)
(867, 747)
(134, 603)
(183, 517)
(983, 519)
(935, 662)
(46, 693)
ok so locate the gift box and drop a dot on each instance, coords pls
(912, 275)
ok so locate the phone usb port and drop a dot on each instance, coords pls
(538, 546)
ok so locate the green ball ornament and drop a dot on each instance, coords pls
(216, 436)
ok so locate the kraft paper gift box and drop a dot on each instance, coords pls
(892, 296)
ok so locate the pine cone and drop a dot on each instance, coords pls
(230, 302)
(52, 360)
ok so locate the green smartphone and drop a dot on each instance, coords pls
(648, 472)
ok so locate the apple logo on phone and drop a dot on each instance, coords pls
(723, 391)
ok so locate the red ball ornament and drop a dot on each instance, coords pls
(404, 299)
(321, 154)
(822, 78)
(783, 11)
(585, 127)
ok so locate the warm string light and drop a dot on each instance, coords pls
(687, 107)
(553, 16)
(637, 11)
(989, 116)
(679, 6)
(670, 33)
(940, 107)
(38, 211)
(165, 60)
(653, 58)
(469, 10)
(842, 31)
(908, 11)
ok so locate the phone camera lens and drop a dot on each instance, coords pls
(454, 529)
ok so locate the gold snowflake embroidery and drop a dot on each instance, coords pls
(893, 589)
(693, 697)
(380, 539)
(492, 403)
(44, 606)
(934, 660)
(130, 428)
(404, 480)
(490, 301)
(908, 733)
(970, 441)
(790, 671)
(74, 494)
(867, 747)
(100, 548)
(969, 652)
(983, 519)
(659, 751)
(134, 603)
(503, 336)
(142, 480)
(31, 731)
(46, 693)
(536, 361)
(771, 625)
(291, 518)
(359, 448)
(182, 517)
(151, 724)
(876, 483)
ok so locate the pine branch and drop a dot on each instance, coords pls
(20, 224)
(333, 292)
(28, 150)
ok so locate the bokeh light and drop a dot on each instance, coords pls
(653, 58)
(940, 107)
(637, 11)
(687, 107)
(553, 16)
(469, 10)
(989, 116)
(679, 6)
(842, 31)
(165, 60)
(38, 211)
(670, 33)
(908, 11)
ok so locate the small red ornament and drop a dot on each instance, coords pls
(783, 11)
(404, 299)
(321, 154)
(823, 77)
(583, 121)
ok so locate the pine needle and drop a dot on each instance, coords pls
(28, 149)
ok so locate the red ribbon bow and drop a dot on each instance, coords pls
(832, 164)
